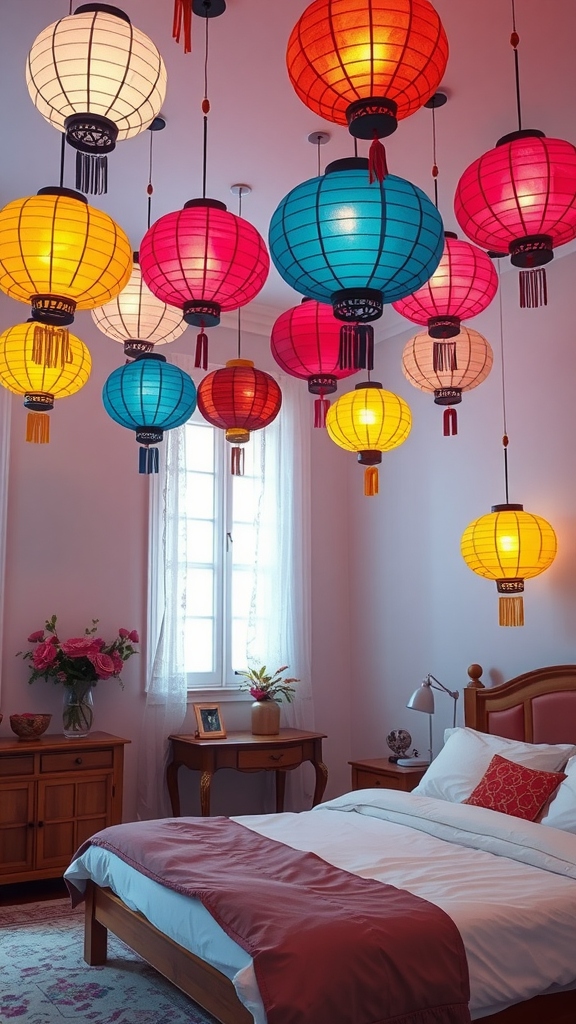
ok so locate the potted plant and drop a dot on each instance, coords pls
(268, 690)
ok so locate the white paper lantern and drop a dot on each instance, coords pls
(137, 319)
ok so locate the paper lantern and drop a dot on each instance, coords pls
(509, 545)
(521, 198)
(137, 319)
(149, 396)
(305, 342)
(59, 254)
(97, 78)
(25, 371)
(447, 368)
(367, 63)
(369, 421)
(204, 260)
(239, 398)
(462, 286)
(340, 240)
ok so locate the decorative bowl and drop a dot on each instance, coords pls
(29, 726)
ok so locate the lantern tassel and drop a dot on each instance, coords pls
(148, 461)
(533, 288)
(356, 347)
(511, 610)
(450, 422)
(371, 481)
(183, 20)
(201, 357)
(51, 346)
(444, 356)
(92, 173)
(321, 406)
(377, 166)
(237, 461)
(38, 428)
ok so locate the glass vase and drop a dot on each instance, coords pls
(77, 710)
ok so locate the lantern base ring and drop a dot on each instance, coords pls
(149, 435)
(358, 305)
(91, 133)
(448, 396)
(507, 508)
(442, 327)
(322, 384)
(531, 251)
(38, 401)
(370, 457)
(202, 314)
(237, 435)
(53, 309)
(133, 347)
(515, 586)
(372, 117)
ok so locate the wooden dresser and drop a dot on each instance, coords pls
(54, 794)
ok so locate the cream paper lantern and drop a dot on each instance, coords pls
(137, 319)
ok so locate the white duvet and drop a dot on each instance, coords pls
(509, 886)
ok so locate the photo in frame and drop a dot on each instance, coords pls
(209, 722)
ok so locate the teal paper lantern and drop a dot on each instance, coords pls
(149, 396)
(341, 240)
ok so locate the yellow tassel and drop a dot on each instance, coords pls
(51, 346)
(38, 428)
(511, 610)
(371, 481)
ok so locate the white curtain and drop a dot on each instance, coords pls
(166, 688)
(280, 620)
(5, 411)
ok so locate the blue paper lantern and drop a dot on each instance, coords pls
(149, 396)
(341, 240)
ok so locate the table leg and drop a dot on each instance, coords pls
(280, 790)
(172, 783)
(321, 780)
(205, 781)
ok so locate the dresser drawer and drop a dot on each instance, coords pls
(269, 758)
(76, 760)
(17, 765)
(375, 780)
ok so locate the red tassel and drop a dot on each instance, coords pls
(321, 406)
(533, 288)
(450, 422)
(183, 20)
(201, 358)
(377, 166)
(237, 461)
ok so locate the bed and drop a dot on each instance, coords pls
(537, 707)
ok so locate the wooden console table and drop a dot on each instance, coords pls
(246, 753)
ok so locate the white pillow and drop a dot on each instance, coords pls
(561, 811)
(463, 760)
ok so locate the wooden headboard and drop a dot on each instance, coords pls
(539, 706)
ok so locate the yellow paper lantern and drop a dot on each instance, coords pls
(137, 319)
(98, 78)
(509, 546)
(26, 371)
(369, 421)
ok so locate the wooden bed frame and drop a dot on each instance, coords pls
(538, 706)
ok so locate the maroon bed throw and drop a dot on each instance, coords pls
(328, 946)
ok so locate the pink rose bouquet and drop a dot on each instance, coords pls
(80, 661)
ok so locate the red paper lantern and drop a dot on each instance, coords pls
(521, 198)
(463, 286)
(204, 260)
(239, 398)
(305, 342)
(367, 63)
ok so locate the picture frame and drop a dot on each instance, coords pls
(209, 722)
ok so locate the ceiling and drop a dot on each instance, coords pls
(258, 128)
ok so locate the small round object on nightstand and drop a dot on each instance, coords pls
(399, 741)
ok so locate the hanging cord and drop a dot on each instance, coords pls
(514, 40)
(318, 144)
(150, 187)
(503, 378)
(205, 109)
(62, 159)
(435, 171)
(239, 342)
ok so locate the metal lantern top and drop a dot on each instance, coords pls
(137, 316)
(367, 63)
(22, 372)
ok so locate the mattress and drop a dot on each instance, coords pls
(508, 885)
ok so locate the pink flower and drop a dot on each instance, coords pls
(118, 663)
(259, 694)
(103, 664)
(134, 637)
(99, 642)
(43, 656)
(61, 677)
(123, 633)
(80, 647)
(35, 638)
(52, 639)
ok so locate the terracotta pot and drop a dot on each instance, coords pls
(265, 718)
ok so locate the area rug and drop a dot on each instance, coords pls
(44, 980)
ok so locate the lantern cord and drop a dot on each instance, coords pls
(240, 194)
(205, 110)
(318, 151)
(434, 163)
(514, 40)
(355, 146)
(62, 158)
(503, 377)
(150, 187)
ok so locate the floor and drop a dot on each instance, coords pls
(32, 892)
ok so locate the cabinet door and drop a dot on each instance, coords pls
(16, 826)
(70, 810)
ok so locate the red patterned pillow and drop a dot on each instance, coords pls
(514, 789)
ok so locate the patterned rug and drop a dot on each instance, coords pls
(44, 980)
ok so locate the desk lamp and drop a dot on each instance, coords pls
(423, 700)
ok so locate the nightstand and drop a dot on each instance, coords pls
(379, 772)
